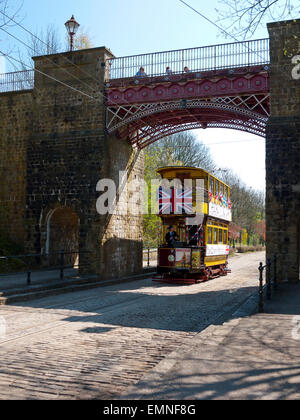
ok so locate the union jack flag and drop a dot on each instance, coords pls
(183, 201)
(176, 201)
(165, 201)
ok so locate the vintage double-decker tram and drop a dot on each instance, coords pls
(197, 206)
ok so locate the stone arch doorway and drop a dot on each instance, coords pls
(63, 234)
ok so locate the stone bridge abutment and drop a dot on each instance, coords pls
(283, 151)
(56, 149)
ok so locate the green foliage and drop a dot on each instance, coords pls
(248, 209)
(241, 18)
(244, 249)
(244, 237)
(151, 231)
(181, 149)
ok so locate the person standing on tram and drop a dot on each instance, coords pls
(171, 236)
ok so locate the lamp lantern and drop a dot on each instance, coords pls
(72, 27)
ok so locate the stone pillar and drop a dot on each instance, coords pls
(283, 150)
(69, 152)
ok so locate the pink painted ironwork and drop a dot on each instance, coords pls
(224, 86)
(145, 113)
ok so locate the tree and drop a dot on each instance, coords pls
(83, 40)
(9, 14)
(181, 149)
(234, 231)
(243, 17)
(261, 230)
(248, 205)
(47, 42)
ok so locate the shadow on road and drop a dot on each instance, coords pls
(150, 306)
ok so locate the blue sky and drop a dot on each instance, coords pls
(135, 27)
(129, 27)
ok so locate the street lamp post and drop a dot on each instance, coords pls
(72, 27)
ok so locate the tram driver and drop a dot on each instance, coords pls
(171, 236)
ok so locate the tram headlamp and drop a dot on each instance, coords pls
(171, 258)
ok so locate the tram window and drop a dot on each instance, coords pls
(215, 236)
(225, 237)
(217, 187)
(209, 235)
(211, 185)
(220, 236)
(226, 193)
(222, 189)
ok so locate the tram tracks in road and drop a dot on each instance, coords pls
(58, 324)
(73, 301)
(106, 309)
(76, 305)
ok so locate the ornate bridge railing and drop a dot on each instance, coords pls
(216, 57)
(13, 82)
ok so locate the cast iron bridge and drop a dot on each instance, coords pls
(227, 86)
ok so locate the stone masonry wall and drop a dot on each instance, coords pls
(15, 130)
(66, 153)
(283, 152)
(67, 156)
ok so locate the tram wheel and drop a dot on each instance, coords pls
(222, 271)
(206, 274)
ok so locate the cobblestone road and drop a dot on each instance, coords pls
(97, 343)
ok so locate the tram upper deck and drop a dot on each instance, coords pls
(193, 191)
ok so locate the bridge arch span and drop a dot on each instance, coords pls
(145, 124)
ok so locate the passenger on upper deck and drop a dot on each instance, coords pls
(186, 70)
(168, 70)
(141, 73)
(171, 236)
